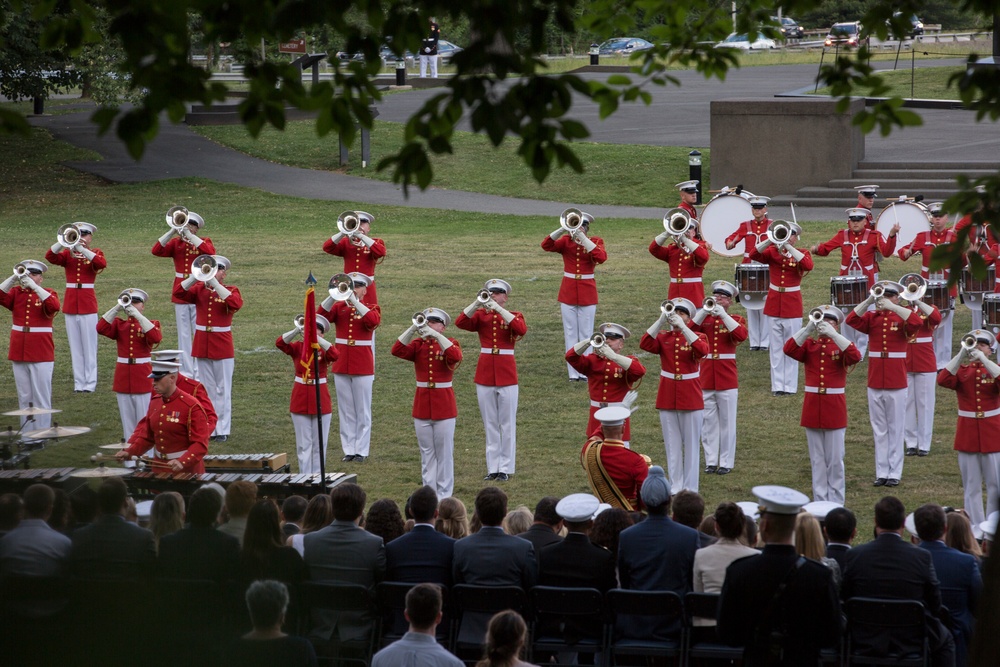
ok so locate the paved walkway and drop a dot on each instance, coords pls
(676, 117)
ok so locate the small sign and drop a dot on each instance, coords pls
(294, 46)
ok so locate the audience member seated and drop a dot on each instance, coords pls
(958, 574)
(240, 497)
(574, 562)
(546, 524)
(319, 514)
(199, 551)
(506, 636)
(292, 511)
(708, 527)
(83, 508)
(809, 543)
(689, 510)
(841, 527)
(385, 520)
(419, 645)
(959, 535)
(166, 515)
(452, 520)
(517, 521)
(61, 517)
(266, 645)
(263, 555)
(710, 562)
(11, 511)
(423, 554)
(608, 526)
(491, 557)
(112, 548)
(33, 548)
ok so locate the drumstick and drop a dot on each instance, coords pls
(793, 213)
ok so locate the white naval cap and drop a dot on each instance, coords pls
(34, 266)
(613, 329)
(873, 189)
(359, 279)
(136, 294)
(758, 201)
(831, 313)
(989, 527)
(437, 313)
(85, 227)
(612, 416)
(750, 509)
(983, 336)
(223, 262)
(322, 323)
(910, 523)
(858, 213)
(820, 508)
(687, 185)
(167, 355)
(780, 499)
(935, 208)
(364, 216)
(161, 368)
(196, 219)
(497, 285)
(724, 287)
(685, 305)
(578, 507)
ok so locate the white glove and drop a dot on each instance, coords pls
(289, 336)
(823, 328)
(719, 311)
(472, 308)
(662, 238)
(801, 335)
(587, 244)
(657, 325)
(688, 243)
(143, 321)
(110, 316)
(335, 239)
(367, 240)
(763, 245)
(424, 331)
(188, 283)
(620, 359)
(700, 315)
(131, 311)
(407, 335)
(977, 355)
(220, 289)
(8, 284)
(674, 320)
(358, 306)
(991, 367)
(953, 365)
(327, 303)
(190, 238)
(729, 320)
(166, 237)
(56, 247)
(39, 290)
(902, 311)
(441, 339)
(323, 343)
(794, 252)
(85, 251)
(924, 308)
(582, 346)
(630, 398)
(557, 234)
(689, 336)
(507, 316)
(602, 352)
(862, 307)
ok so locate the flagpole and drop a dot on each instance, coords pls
(316, 352)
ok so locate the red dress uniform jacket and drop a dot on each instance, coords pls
(359, 258)
(607, 382)
(200, 394)
(784, 296)
(691, 210)
(183, 254)
(680, 377)
(978, 392)
(865, 244)
(627, 469)
(686, 269)
(213, 336)
(304, 390)
(355, 354)
(923, 244)
(888, 337)
(80, 298)
(434, 398)
(496, 367)
(920, 347)
(176, 428)
(718, 368)
(751, 232)
(824, 405)
(578, 286)
(134, 349)
(31, 332)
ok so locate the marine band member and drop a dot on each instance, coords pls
(752, 232)
(614, 472)
(189, 385)
(361, 253)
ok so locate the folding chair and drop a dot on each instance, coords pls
(886, 632)
(340, 604)
(703, 641)
(474, 606)
(567, 621)
(662, 609)
(390, 598)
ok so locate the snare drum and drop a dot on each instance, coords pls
(848, 291)
(937, 295)
(753, 277)
(972, 285)
(991, 310)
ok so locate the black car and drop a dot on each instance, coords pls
(789, 28)
(624, 46)
(916, 25)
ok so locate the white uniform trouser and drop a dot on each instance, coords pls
(718, 434)
(33, 381)
(826, 456)
(429, 60)
(217, 376)
(942, 338)
(976, 469)
(920, 398)
(184, 313)
(354, 409)
(887, 409)
(578, 324)
(681, 434)
(784, 369)
(132, 408)
(498, 406)
(81, 330)
(306, 441)
(436, 438)
(759, 327)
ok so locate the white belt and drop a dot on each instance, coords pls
(685, 280)
(724, 355)
(600, 404)
(352, 342)
(496, 350)
(579, 276)
(784, 289)
(680, 376)
(998, 280)
(199, 327)
(135, 360)
(978, 415)
(887, 355)
(310, 382)
(929, 339)
(31, 329)
(79, 285)
(433, 385)
(181, 275)
(171, 455)
(824, 390)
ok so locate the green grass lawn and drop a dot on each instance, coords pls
(436, 258)
(927, 83)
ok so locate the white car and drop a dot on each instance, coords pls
(735, 41)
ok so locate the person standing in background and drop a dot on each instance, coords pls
(429, 51)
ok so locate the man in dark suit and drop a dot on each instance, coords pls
(547, 524)
(781, 607)
(292, 511)
(961, 582)
(112, 548)
(888, 567)
(574, 562)
(422, 555)
(689, 510)
(199, 551)
(841, 527)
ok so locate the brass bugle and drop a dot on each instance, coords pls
(815, 315)
(598, 340)
(20, 270)
(677, 222)
(177, 218)
(341, 287)
(571, 219)
(68, 235)
(348, 223)
(969, 343)
(124, 299)
(667, 307)
(204, 268)
(915, 286)
(419, 319)
(299, 322)
(708, 303)
(878, 291)
(484, 296)
(779, 234)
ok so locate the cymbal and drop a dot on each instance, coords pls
(116, 446)
(56, 431)
(101, 472)
(28, 412)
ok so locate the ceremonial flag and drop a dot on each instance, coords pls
(309, 346)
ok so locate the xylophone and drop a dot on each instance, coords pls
(17, 481)
(243, 462)
(269, 485)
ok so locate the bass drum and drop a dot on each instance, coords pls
(721, 218)
(912, 220)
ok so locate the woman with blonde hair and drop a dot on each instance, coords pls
(319, 514)
(809, 543)
(452, 519)
(518, 521)
(166, 515)
(958, 535)
(505, 638)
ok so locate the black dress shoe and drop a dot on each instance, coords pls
(911, 451)
(221, 438)
(490, 477)
(348, 457)
(892, 482)
(923, 452)
(723, 471)
(881, 481)
(360, 459)
(710, 470)
(754, 349)
(501, 477)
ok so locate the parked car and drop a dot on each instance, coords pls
(845, 34)
(789, 28)
(742, 41)
(624, 46)
(916, 25)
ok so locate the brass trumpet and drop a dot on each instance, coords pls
(124, 299)
(484, 296)
(667, 307)
(878, 291)
(915, 286)
(677, 222)
(299, 322)
(779, 234)
(178, 217)
(341, 287)
(815, 315)
(969, 343)
(348, 223)
(20, 270)
(709, 303)
(571, 220)
(598, 340)
(204, 268)
(419, 319)
(68, 235)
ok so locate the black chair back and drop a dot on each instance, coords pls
(567, 620)
(324, 604)
(475, 605)
(886, 632)
(659, 616)
(703, 641)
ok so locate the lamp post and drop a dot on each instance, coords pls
(694, 170)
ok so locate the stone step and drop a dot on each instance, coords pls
(942, 165)
(866, 176)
